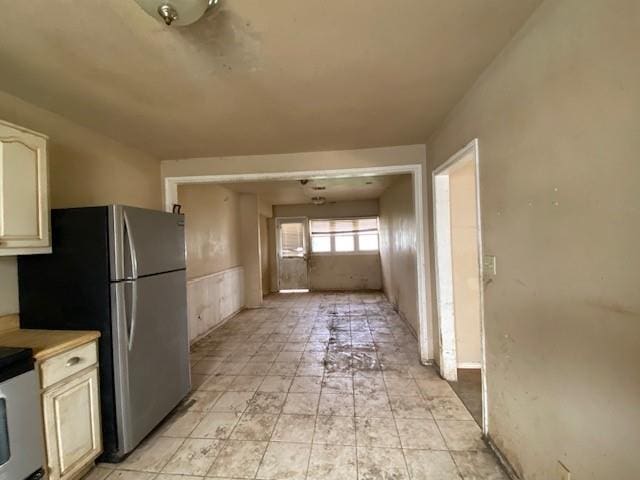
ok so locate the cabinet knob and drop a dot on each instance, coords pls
(73, 361)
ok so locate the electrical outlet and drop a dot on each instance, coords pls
(489, 266)
(563, 472)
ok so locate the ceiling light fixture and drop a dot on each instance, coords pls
(178, 12)
(318, 200)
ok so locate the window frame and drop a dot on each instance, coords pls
(356, 240)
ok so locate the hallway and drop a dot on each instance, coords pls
(313, 386)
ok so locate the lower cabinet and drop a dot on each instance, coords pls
(73, 436)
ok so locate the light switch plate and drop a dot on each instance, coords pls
(489, 266)
(563, 472)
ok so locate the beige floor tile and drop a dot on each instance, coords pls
(331, 462)
(129, 475)
(235, 402)
(373, 405)
(294, 428)
(98, 473)
(152, 454)
(462, 434)
(181, 424)
(217, 382)
(409, 407)
(476, 465)
(310, 368)
(301, 403)
(255, 427)
(171, 476)
(335, 430)
(377, 432)
(401, 386)
(275, 384)
(285, 461)
(306, 385)
(337, 385)
(290, 357)
(435, 387)
(368, 384)
(201, 400)
(336, 404)
(255, 369)
(246, 383)
(266, 402)
(416, 433)
(283, 368)
(217, 425)
(194, 457)
(238, 459)
(437, 465)
(381, 464)
(448, 408)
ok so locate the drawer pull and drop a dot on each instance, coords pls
(73, 361)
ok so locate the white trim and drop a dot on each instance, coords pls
(171, 196)
(444, 275)
(469, 365)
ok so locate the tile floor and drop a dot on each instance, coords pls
(313, 386)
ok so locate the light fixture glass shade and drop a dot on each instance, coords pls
(182, 12)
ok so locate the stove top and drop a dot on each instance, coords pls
(14, 361)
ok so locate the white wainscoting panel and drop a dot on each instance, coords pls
(212, 299)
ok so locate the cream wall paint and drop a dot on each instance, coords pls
(265, 273)
(466, 271)
(398, 249)
(345, 272)
(356, 208)
(213, 230)
(85, 168)
(250, 245)
(557, 119)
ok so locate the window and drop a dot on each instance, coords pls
(343, 235)
(292, 239)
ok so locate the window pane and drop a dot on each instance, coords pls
(344, 243)
(368, 242)
(292, 239)
(321, 243)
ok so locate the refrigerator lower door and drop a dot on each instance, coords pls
(151, 353)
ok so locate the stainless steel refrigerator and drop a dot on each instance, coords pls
(120, 270)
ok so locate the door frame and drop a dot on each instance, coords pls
(448, 361)
(170, 185)
(277, 221)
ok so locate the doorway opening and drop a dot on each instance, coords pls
(458, 247)
(292, 254)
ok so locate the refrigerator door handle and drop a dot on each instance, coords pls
(132, 314)
(132, 246)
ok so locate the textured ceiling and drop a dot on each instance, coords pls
(292, 192)
(259, 76)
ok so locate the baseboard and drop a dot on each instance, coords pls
(469, 365)
(504, 463)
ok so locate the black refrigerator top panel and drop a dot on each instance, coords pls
(69, 290)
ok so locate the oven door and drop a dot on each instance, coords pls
(21, 437)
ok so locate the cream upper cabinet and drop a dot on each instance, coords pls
(24, 191)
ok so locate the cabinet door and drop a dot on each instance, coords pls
(24, 201)
(72, 425)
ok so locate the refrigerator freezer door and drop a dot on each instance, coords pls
(151, 352)
(145, 242)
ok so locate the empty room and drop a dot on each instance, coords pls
(337, 240)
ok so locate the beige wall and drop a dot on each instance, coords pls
(398, 249)
(265, 272)
(345, 272)
(250, 244)
(213, 234)
(557, 117)
(85, 168)
(466, 271)
(355, 208)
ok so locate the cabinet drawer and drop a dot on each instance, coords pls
(66, 364)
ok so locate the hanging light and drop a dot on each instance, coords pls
(177, 12)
